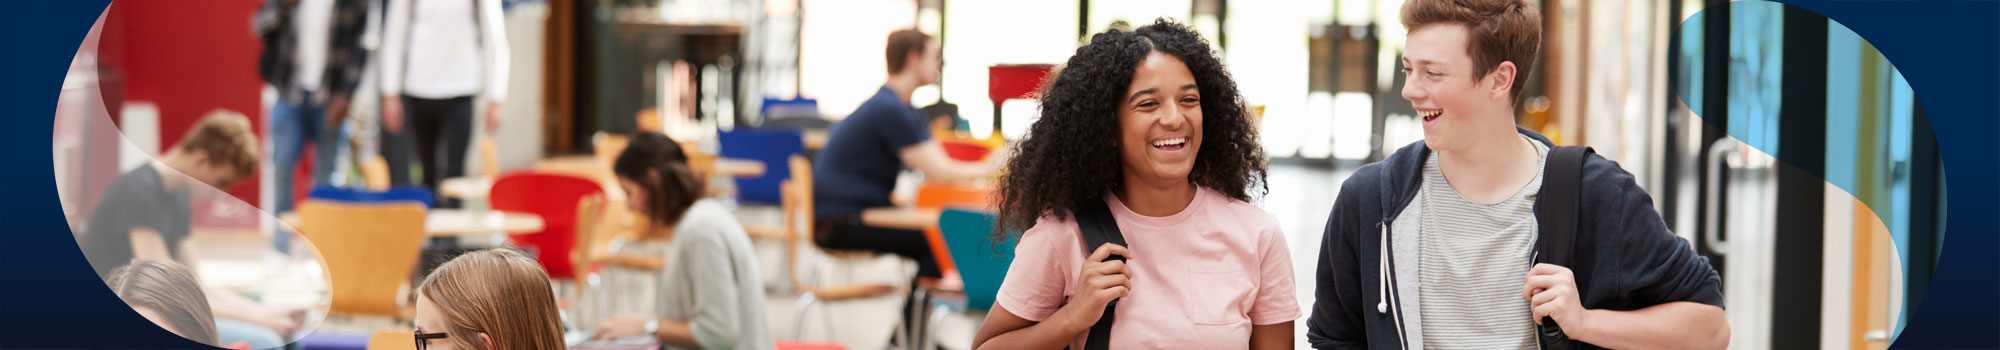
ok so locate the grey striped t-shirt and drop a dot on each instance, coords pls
(1473, 259)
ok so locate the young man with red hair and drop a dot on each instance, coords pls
(1437, 246)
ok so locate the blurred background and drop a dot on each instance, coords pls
(1780, 144)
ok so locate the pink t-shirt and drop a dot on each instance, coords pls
(1200, 278)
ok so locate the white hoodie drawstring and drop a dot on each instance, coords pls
(1382, 270)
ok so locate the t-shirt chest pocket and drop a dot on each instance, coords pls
(1218, 294)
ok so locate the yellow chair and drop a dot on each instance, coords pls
(368, 250)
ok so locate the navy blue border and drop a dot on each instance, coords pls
(1950, 52)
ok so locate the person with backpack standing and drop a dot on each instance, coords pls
(1133, 188)
(1486, 235)
(437, 57)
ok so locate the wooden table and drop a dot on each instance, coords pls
(459, 222)
(904, 218)
(468, 188)
(734, 167)
(588, 167)
(815, 139)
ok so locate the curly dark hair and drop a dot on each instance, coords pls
(1066, 158)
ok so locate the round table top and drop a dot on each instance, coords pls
(469, 188)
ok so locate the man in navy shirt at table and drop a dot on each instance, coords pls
(857, 169)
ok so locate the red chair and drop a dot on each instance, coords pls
(1013, 81)
(554, 197)
(965, 151)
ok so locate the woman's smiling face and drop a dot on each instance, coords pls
(1159, 119)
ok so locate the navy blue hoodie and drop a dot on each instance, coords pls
(1625, 258)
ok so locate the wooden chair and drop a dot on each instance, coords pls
(369, 251)
(375, 173)
(798, 217)
(607, 146)
(589, 209)
(703, 164)
(393, 339)
(489, 158)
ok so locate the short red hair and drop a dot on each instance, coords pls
(1497, 31)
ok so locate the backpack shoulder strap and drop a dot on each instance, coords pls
(1556, 209)
(1097, 228)
(1555, 220)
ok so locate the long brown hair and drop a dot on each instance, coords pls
(501, 293)
(169, 289)
(657, 164)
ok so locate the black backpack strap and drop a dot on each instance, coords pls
(1555, 219)
(1094, 220)
(1556, 209)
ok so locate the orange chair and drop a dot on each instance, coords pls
(368, 250)
(938, 197)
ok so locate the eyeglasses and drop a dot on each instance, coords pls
(424, 339)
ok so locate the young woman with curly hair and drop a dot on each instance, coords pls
(1150, 123)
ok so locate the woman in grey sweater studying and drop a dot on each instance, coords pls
(710, 288)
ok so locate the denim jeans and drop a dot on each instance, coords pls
(293, 125)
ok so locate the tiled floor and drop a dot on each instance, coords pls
(1300, 197)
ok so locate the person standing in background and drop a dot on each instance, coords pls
(314, 57)
(437, 57)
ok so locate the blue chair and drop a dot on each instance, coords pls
(394, 194)
(982, 265)
(774, 148)
(776, 109)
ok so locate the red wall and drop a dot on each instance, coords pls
(187, 58)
